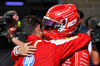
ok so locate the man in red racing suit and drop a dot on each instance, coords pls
(49, 53)
(61, 21)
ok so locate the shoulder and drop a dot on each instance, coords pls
(83, 36)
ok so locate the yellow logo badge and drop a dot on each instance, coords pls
(47, 15)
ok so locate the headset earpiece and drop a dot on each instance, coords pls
(19, 24)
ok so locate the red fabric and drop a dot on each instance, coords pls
(79, 58)
(49, 53)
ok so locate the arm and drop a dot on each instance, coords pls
(72, 45)
(24, 50)
(17, 41)
(15, 54)
(94, 52)
(94, 55)
(14, 39)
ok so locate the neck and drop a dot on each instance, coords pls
(37, 34)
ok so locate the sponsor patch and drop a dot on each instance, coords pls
(29, 61)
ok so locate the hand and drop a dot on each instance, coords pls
(26, 49)
(88, 33)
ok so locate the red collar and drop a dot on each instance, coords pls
(33, 37)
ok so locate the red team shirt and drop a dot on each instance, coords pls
(49, 53)
(79, 58)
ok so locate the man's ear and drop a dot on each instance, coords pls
(38, 27)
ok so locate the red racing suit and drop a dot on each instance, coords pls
(79, 58)
(49, 53)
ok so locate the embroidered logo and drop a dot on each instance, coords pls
(29, 61)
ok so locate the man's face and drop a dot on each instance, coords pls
(15, 17)
(13, 26)
(80, 20)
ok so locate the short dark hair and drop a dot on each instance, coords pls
(86, 21)
(81, 14)
(29, 23)
(91, 21)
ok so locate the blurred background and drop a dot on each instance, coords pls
(26, 7)
(40, 7)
